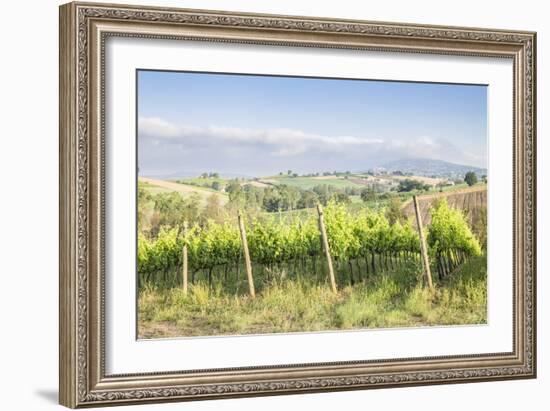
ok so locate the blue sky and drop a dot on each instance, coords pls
(259, 125)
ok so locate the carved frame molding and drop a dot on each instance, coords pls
(84, 27)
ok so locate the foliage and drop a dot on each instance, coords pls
(274, 241)
(144, 197)
(409, 184)
(379, 239)
(213, 210)
(340, 231)
(449, 230)
(470, 178)
(368, 194)
(450, 239)
(174, 209)
(394, 212)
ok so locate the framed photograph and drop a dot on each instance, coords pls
(259, 204)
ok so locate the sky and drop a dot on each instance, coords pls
(250, 125)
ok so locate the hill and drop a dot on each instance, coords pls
(307, 183)
(431, 168)
(185, 190)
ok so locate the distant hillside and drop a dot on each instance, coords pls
(190, 174)
(431, 168)
(155, 185)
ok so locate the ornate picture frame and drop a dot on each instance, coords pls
(84, 29)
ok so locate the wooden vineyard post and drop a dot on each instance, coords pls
(423, 247)
(184, 252)
(248, 264)
(326, 247)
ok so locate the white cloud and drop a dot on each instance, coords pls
(281, 141)
(435, 148)
(168, 145)
(154, 126)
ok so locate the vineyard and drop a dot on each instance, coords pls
(362, 245)
(340, 268)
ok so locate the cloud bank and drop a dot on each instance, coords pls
(281, 141)
(168, 148)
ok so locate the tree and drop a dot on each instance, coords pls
(352, 191)
(289, 172)
(254, 196)
(308, 199)
(216, 185)
(173, 210)
(324, 191)
(409, 184)
(272, 200)
(144, 197)
(368, 194)
(341, 198)
(234, 190)
(470, 178)
(213, 209)
(289, 196)
(394, 212)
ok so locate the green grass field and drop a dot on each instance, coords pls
(202, 181)
(390, 299)
(307, 183)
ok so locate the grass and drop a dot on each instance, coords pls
(202, 192)
(307, 183)
(203, 183)
(392, 299)
(156, 190)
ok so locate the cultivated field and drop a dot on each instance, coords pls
(307, 183)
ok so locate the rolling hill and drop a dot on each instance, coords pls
(429, 168)
(184, 189)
